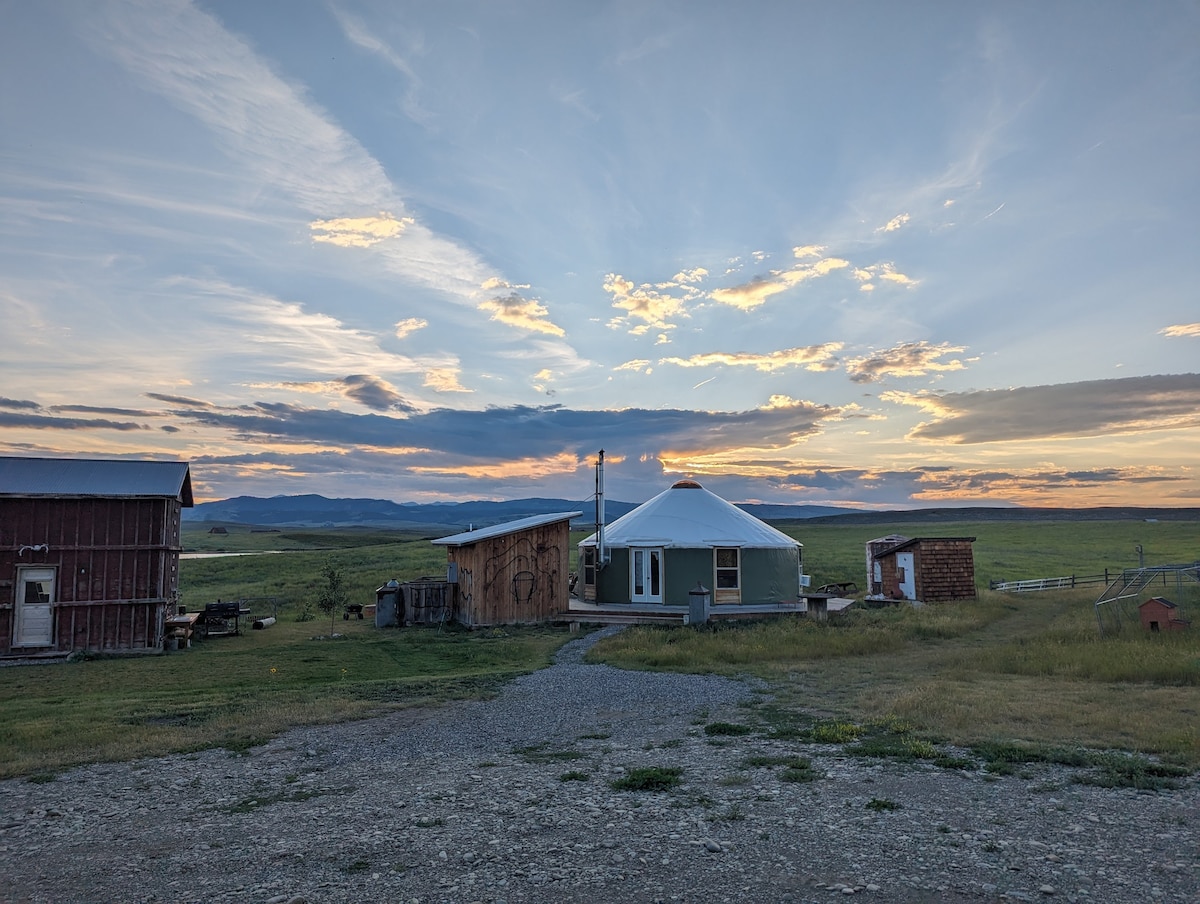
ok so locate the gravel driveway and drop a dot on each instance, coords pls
(508, 800)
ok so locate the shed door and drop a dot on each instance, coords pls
(35, 607)
(645, 567)
(905, 576)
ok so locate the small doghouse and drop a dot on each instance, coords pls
(1160, 614)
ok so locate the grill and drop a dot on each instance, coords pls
(222, 617)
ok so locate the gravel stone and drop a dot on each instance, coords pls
(468, 802)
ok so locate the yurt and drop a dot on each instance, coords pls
(686, 535)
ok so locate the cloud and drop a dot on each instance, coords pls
(690, 276)
(811, 357)
(894, 223)
(520, 432)
(1092, 408)
(492, 283)
(285, 337)
(359, 33)
(445, 379)
(637, 364)
(410, 325)
(522, 313)
(275, 134)
(100, 409)
(368, 390)
(650, 304)
(177, 400)
(18, 403)
(1181, 329)
(886, 271)
(359, 232)
(374, 393)
(43, 422)
(748, 296)
(911, 359)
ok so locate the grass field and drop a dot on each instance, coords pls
(1031, 668)
(1007, 550)
(1027, 668)
(240, 690)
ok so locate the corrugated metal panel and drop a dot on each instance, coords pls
(499, 530)
(94, 477)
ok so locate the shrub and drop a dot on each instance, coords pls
(648, 778)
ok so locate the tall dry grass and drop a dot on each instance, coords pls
(1032, 667)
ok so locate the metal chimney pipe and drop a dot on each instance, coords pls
(601, 553)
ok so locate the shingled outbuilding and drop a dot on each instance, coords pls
(928, 569)
(89, 553)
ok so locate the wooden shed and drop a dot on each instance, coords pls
(1160, 614)
(89, 553)
(929, 569)
(875, 548)
(511, 573)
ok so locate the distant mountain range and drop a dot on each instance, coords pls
(318, 511)
(449, 517)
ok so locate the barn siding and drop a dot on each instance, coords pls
(116, 562)
(514, 578)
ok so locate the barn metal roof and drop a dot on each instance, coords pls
(689, 516)
(75, 477)
(509, 527)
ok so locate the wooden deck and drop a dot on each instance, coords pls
(580, 612)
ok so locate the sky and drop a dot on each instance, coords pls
(869, 254)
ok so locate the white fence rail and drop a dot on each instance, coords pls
(1035, 584)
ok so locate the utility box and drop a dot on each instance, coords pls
(387, 605)
(699, 601)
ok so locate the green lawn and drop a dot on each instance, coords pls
(240, 690)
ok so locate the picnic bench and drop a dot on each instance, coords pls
(180, 628)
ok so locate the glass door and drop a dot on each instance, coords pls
(645, 575)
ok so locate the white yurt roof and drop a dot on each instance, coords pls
(689, 516)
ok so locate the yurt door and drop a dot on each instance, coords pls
(646, 576)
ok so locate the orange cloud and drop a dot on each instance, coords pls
(1181, 329)
(911, 359)
(523, 313)
(359, 232)
(812, 357)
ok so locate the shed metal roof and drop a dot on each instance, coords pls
(915, 541)
(500, 530)
(76, 477)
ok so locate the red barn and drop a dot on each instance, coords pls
(929, 569)
(89, 553)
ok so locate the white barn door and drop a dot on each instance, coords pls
(35, 607)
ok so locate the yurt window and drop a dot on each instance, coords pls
(728, 572)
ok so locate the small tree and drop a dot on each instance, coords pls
(332, 596)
